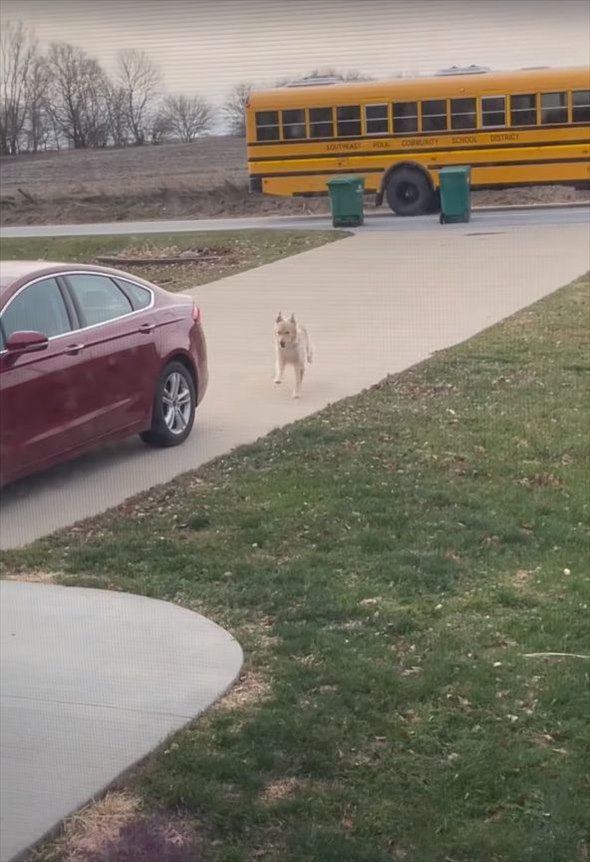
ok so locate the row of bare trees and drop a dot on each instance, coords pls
(63, 98)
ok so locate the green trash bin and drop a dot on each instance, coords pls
(346, 200)
(455, 193)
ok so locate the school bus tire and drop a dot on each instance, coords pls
(409, 191)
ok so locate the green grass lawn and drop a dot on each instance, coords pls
(241, 249)
(389, 565)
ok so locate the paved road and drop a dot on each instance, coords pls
(483, 219)
(92, 681)
(373, 304)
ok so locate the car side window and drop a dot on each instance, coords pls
(39, 307)
(140, 296)
(98, 298)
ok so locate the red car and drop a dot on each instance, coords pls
(90, 354)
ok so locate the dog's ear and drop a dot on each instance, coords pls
(279, 317)
(292, 319)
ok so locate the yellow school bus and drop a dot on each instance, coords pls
(528, 127)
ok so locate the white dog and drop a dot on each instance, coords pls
(293, 347)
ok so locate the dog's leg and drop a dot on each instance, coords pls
(299, 369)
(308, 345)
(279, 369)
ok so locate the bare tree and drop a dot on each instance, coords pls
(77, 102)
(18, 51)
(159, 126)
(234, 109)
(37, 120)
(188, 116)
(56, 137)
(139, 80)
(116, 116)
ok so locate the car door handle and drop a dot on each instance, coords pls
(74, 349)
(147, 327)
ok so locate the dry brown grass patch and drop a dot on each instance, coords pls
(36, 577)
(258, 634)
(252, 688)
(279, 789)
(91, 829)
(521, 579)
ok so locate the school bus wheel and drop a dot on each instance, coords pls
(409, 192)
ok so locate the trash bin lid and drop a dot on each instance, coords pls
(456, 169)
(345, 180)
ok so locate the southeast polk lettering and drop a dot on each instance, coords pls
(343, 147)
(408, 143)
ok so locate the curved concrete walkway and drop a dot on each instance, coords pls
(92, 681)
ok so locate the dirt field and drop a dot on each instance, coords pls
(201, 180)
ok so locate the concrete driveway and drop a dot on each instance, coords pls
(374, 303)
(92, 681)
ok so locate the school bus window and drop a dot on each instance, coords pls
(434, 115)
(320, 123)
(523, 109)
(463, 115)
(293, 124)
(267, 125)
(405, 117)
(553, 108)
(581, 106)
(376, 121)
(348, 120)
(493, 111)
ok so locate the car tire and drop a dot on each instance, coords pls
(409, 192)
(173, 413)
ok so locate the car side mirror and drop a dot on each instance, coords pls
(26, 341)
